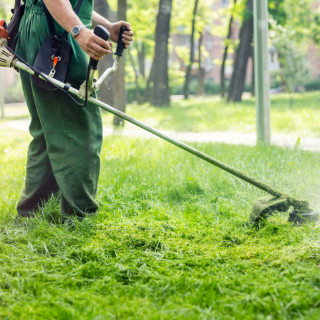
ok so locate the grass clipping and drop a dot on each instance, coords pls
(265, 206)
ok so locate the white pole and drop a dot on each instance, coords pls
(1, 95)
(262, 72)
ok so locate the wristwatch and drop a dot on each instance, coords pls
(76, 30)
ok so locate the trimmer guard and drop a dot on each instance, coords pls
(266, 206)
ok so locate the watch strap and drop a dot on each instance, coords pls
(80, 27)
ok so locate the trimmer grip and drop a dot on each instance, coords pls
(104, 34)
(120, 46)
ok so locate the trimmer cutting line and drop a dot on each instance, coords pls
(278, 201)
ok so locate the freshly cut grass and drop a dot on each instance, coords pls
(213, 114)
(171, 239)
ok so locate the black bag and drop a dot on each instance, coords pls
(54, 49)
(54, 54)
(13, 26)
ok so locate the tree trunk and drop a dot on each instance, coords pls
(106, 92)
(141, 57)
(160, 90)
(201, 71)
(243, 53)
(225, 54)
(188, 73)
(147, 91)
(120, 96)
(138, 99)
(253, 93)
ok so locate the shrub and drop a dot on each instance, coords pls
(275, 84)
(210, 88)
(312, 85)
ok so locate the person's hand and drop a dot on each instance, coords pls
(94, 46)
(127, 37)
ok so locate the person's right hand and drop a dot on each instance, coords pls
(93, 45)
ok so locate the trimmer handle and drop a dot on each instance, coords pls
(104, 34)
(120, 46)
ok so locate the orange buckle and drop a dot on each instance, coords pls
(55, 61)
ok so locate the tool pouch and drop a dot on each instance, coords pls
(52, 47)
(54, 54)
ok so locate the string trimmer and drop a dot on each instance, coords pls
(277, 201)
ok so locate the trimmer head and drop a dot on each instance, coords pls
(265, 206)
(299, 219)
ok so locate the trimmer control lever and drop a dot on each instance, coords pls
(120, 46)
(104, 34)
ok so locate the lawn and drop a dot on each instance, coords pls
(171, 239)
(213, 114)
(208, 114)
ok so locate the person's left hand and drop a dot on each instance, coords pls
(127, 37)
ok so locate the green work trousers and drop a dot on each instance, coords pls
(64, 154)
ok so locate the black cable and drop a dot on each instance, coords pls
(56, 86)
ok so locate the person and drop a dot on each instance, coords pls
(64, 154)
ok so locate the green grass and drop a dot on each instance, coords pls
(171, 239)
(212, 114)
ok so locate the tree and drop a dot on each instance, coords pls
(294, 23)
(106, 93)
(188, 73)
(292, 56)
(253, 92)
(160, 90)
(120, 97)
(201, 70)
(225, 54)
(136, 77)
(141, 58)
(277, 9)
(148, 91)
(242, 55)
(142, 15)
